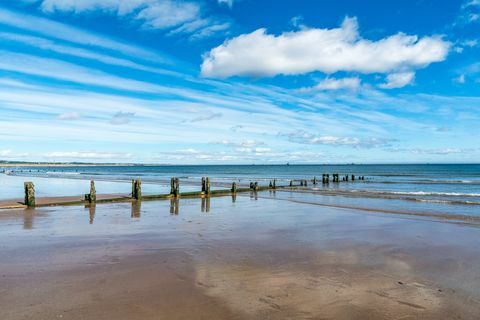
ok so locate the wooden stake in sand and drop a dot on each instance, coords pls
(92, 196)
(29, 194)
(137, 189)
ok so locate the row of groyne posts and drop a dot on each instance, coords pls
(136, 193)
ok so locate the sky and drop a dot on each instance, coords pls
(240, 81)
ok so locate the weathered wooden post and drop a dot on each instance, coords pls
(305, 183)
(346, 177)
(314, 180)
(255, 186)
(29, 194)
(327, 177)
(353, 177)
(172, 185)
(92, 196)
(207, 185)
(234, 187)
(274, 183)
(270, 185)
(203, 184)
(137, 189)
(291, 183)
(177, 187)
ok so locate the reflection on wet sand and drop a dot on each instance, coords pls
(260, 259)
(136, 209)
(92, 210)
(28, 217)
(205, 204)
(335, 285)
(174, 206)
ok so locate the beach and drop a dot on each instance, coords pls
(265, 255)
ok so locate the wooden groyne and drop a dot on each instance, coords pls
(175, 193)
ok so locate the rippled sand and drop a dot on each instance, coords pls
(255, 258)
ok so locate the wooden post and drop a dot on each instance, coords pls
(172, 185)
(137, 189)
(291, 183)
(92, 196)
(29, 194)
(327, 177)
(274, 183)
(314, 180)
(255, 186)
(175, 187)
(353, 177)
(305, 183)
(203, 184)
(234, 187)
(270, 185)
(207, 185)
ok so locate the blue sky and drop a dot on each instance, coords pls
(240, 81)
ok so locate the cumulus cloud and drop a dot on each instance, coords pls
(151, 14)
(120, 118)
(336, 84)
(308, 138)
(398, 80)
(326, 50)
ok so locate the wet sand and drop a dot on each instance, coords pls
(255, 258)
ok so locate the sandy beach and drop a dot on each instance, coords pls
(252, 258)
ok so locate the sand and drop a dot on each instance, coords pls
(255, 258)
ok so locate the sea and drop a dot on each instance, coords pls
(440, 189)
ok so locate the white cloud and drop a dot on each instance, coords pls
(227, 2)
(69, 116)
(207, 116)
(89, 155)
(120, 118)
(460, 79)
(325, 50)
(71, 34)
(245, 143)
(398, 80)
(308, 138)
(151, 14)
(336, 84)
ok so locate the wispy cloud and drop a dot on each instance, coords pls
(351, 83)
(148, 14)
(308, 138)
(61, 31)
(69, 116)
(120, 118)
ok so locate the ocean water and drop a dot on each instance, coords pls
(445, 188)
